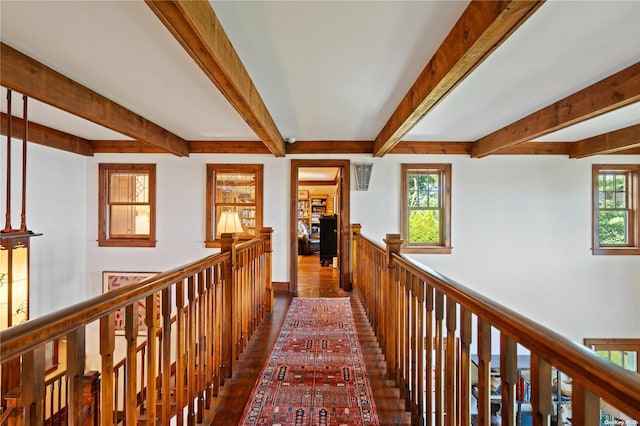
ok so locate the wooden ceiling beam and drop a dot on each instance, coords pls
(415, 147)
(196, 27)
(607, 143)
(464, 148)
(34, 79)
(318, 147)
(330, 147)
(616, 91)
(124, 147)
(228, 147)
(46, 136)
(238, 147)
(482, 27)
(539, 148)
(632, 151)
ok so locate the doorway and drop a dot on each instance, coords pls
(340, 210)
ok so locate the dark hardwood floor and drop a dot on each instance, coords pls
(313, 281)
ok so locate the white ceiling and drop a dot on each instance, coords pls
(326, 70)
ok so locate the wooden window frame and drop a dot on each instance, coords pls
(104, 238)
(615, 345)
(210, 214)
(633, 245)
(445, 246)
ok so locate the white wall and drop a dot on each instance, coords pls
(56, 194)
(521, 235)
(521, 231)
(180, 214)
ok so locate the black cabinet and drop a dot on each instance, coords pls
(328, 238)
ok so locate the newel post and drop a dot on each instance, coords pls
(13, 399)
(390, 302)
(355, 233)
(228, 245)
(91, 398)
(267, 234)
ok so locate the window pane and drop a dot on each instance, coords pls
(608, 200)
(426, 189)
(129, 188)
(608, 182)
(235, 188)
(412, 194)
(434, 191)
(613, 227)
(248, 220)
(424, 198)
(631, 361)
(616, 358)
(424, 226)
(620, 200)
(130, 220)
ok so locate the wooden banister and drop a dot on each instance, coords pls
(418, 304)
(35, 332)
(170, 370)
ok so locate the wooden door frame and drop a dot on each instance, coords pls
(344, 219)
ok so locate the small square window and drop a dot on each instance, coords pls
(126, 216)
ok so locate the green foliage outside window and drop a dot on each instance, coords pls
(424, 204)
(612, 227)
(424, 226)
(612, 205)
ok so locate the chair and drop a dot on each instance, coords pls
(307, 243)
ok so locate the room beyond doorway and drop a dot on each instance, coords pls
(319, 217)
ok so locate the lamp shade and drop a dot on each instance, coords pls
(229, 223)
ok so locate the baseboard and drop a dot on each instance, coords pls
(280, 286)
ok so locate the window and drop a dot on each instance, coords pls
(615, 209)
(127, 205)
(623, 353)
(234, 194)
(426, 208)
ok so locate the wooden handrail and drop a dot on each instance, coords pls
(583, 365)
(423, 321)
(198, 318)
(33, 333)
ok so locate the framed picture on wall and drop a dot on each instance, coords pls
(112, 280)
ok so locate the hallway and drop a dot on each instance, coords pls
(313, 281)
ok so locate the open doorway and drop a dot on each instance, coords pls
(320, 203)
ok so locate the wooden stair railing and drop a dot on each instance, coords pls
(55, 404)
(429, 328)
(217, 302)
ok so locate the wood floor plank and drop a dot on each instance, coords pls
(314, 280)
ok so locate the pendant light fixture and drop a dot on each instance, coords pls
(14, 242)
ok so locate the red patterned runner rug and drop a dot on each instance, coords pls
(316, 373)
